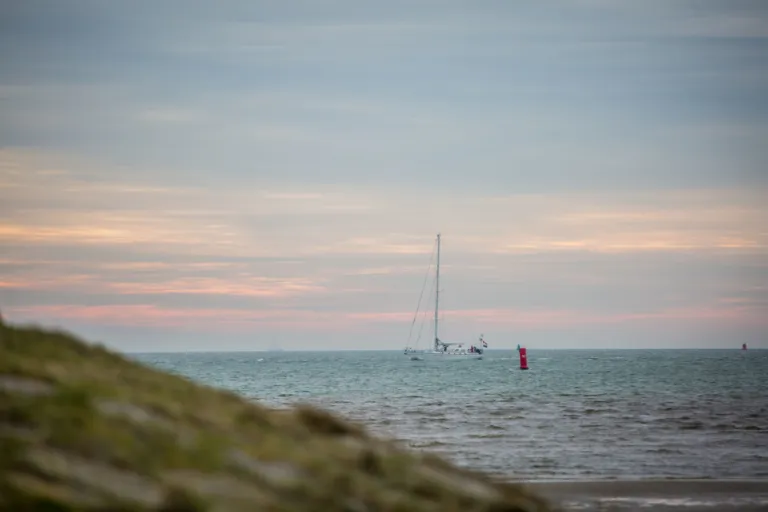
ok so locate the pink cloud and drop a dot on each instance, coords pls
(239, 319)
(48, 282)
(147, 315)
(386, 245)
(564, 318)
(156, 219)
(237, 285)
(243, 286)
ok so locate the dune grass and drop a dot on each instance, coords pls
(84, 428)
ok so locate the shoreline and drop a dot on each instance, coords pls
(692, 495)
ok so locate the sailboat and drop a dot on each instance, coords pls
(440, 348)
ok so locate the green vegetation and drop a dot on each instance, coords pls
(83, 428)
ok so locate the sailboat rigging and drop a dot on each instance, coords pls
(439, 347)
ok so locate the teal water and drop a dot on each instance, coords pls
(598, 414)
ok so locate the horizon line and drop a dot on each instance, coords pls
(739, 349)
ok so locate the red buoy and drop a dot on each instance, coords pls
(523, 359)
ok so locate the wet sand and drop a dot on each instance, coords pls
(661, 495)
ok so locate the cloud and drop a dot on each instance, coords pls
(338, 321)
(399, 95)
(244, 285)
(170, 116)
(65, 208)
(737, 25)
(596, 162)
(233, 286)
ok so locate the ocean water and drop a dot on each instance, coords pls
(576, 414)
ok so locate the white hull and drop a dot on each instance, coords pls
(453, 357)
(438, 355)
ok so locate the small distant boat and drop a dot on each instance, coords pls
(441, 349)
(743, 346)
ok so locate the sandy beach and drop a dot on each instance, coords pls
(661, 495)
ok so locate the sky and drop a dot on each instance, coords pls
(248, 174)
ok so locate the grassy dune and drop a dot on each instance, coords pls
(83, 428)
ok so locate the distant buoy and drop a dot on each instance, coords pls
(744, 346)
(523, 359)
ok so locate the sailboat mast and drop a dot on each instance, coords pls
(437, 288)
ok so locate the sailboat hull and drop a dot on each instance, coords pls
(453, 357)
(445, 356)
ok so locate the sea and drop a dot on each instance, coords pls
(574, 415)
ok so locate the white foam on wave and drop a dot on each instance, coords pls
(648, 502)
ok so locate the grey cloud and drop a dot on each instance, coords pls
(496, 89)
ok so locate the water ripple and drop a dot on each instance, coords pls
(575, 414)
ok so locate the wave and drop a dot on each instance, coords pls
(427, 444)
